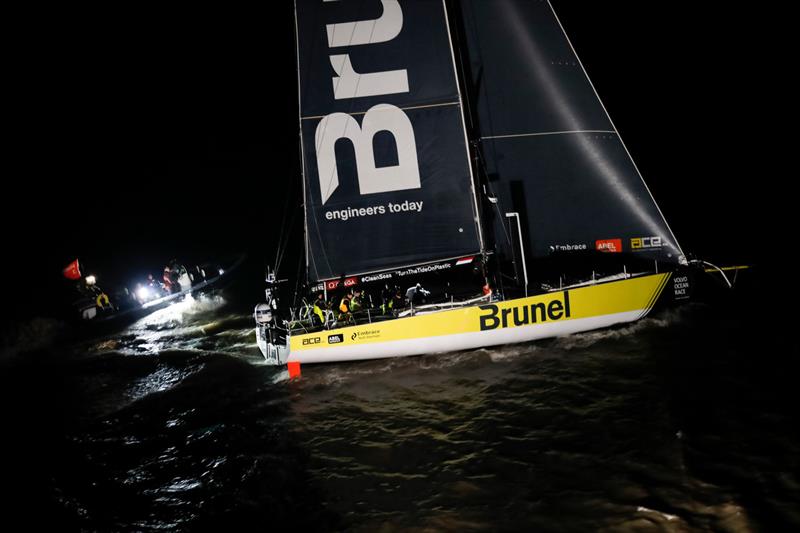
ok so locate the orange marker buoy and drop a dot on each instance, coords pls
(294, 369)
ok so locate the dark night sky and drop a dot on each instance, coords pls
(139, 133)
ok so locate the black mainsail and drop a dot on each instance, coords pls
(387, 178)
(549, 149)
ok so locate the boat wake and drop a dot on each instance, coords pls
(199, 325)
(186, 311)
(631, 331)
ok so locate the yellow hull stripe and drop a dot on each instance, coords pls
(655, 296)
(634, 294)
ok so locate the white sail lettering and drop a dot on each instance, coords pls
(379, 30)
(351, 84)
(371, 180)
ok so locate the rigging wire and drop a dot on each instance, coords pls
(283, 243)
(297, 281)
(282, 231)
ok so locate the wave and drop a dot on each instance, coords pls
(631, 331)
(35, 334)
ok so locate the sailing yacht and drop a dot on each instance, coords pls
(462, 146)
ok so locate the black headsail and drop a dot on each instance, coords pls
(549, 148)
(386, 169)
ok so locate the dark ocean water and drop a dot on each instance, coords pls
(686, 420)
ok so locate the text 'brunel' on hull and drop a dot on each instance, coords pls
(521, 315)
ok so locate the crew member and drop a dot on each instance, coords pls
(167, 277)
(154, 285)
(318, 311)
(415, 294)
(386, 298)
(355, 303)
(396, 301)
(344, 307)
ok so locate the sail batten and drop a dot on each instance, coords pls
(407, 108)
(535, 133)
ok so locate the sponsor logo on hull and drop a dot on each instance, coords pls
(568, 247)
(334, 283)
(682, 287)
(609, 245)
(646, 243)
(522, 315)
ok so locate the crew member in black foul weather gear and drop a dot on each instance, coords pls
(415, 295)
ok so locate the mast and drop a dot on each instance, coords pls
(472, 171)
(300, 141)
(468, 88)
